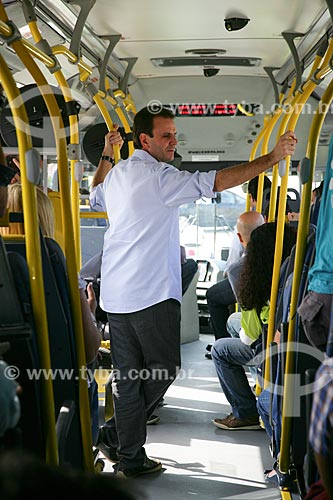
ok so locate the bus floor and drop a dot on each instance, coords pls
(199, 460)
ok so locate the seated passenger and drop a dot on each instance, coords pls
(314, 208)
(91, 335)
(46, 221)
(252, 189)
(220, 296)
(230, 355)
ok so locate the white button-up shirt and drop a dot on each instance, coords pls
(141, 254)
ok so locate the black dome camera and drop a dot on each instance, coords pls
(210, 71)
(235, 23)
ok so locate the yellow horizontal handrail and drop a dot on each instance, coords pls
(85, 69)
(93, 215)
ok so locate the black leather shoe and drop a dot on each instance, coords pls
(208, 355)
(110, 452)
(147, 467)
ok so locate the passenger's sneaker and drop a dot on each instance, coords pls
(232, 423)
(153, 419)
(110, 452)
(147, 467)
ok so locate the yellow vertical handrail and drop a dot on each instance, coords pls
(299, 257)
(61, 146)
(74, 138)
(34, 260)
(303, 227)
(269, 124)
(275, 170)
(121, 116)
(107, 118)
(295, 106)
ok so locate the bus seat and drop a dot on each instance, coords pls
(18, 330)
(58, 263)
(293, 200)
(58, 230)
(62, 352)
(189, 325)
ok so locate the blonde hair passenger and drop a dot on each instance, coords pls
(44, 209)
(92, 338)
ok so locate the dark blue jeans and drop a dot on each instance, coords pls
(229, 356)
(145, 352)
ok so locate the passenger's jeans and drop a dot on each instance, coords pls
(229, 356)
(145, 351)
(233, 328)
(263, 407)
(219, 297)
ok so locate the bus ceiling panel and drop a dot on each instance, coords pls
(92, 46)
(193, 89)
(13, 62)
(169, 29)
(15, 13)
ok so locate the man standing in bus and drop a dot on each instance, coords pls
(141, 278)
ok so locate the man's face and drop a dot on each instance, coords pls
(163, 143)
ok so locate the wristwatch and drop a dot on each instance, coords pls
(108, 158)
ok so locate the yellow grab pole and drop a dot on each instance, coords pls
(316, 126)
(275, 177)
(74, 137)
(59, 134)
(107, 118)
(34, 259)
(129, 104)
(121, 115)
(264, 150)
(296, 105)
(254, 151)
(85, 69)
(75, 191)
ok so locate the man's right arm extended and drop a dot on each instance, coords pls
(234, 176)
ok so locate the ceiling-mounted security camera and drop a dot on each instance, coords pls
(210, 71)
(235, 23)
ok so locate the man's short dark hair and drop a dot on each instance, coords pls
(144, 123)
(252, 187)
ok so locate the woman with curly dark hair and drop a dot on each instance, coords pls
(253, 293)
(254, 285)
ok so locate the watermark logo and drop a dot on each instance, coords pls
(242, 108)
(41, 122)
(12, 372)
(154, 106)
(296, 389)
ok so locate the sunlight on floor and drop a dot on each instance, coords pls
(198, 394)
(231, 462)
